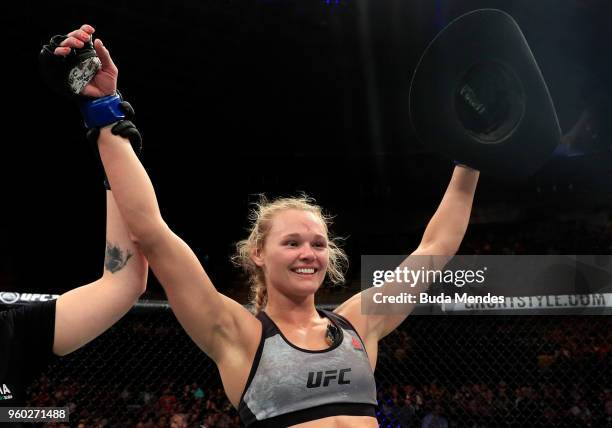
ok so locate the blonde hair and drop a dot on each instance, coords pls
(261, 221)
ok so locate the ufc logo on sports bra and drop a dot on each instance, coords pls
(314, 378)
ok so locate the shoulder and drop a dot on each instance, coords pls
(340, 319)
(351, 311)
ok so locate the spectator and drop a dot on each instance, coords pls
(434, 419)
(178, 420)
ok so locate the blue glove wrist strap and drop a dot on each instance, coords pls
(102, 111)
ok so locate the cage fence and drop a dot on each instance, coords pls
(433, 371)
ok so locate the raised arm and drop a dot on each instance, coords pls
(447, 227)
(212, 320)
(86, 312)
(442, 238)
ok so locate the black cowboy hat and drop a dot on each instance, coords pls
(478, 96)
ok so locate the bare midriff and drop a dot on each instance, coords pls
(340, 422)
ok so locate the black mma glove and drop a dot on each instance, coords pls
(68, 75)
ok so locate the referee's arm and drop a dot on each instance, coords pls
(86, 312)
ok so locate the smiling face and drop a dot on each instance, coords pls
(295, 254)
(267, 259)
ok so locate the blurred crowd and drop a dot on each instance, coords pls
(480, 405)
(433, 405)
(477, 373)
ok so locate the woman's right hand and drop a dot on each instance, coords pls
(105, 81)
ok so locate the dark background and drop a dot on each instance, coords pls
(236, 98)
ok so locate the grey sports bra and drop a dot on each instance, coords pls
(288, 385)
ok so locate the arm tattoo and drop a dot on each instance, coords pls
(114, 259)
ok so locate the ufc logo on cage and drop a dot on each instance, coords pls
(315, 382)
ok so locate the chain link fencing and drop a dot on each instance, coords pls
(434, 372)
